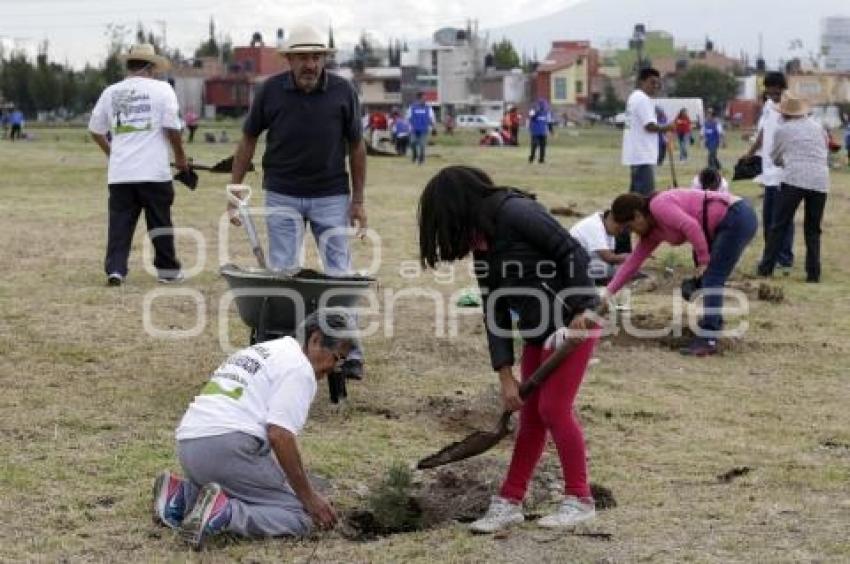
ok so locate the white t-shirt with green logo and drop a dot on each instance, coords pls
(136, 111)
(269, 383)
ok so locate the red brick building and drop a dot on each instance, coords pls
(232, 92)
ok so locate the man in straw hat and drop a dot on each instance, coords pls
(800, 149)
(134, 122)
(312, 118)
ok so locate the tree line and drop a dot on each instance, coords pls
(47, 86)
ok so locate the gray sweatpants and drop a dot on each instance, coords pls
(262, 501)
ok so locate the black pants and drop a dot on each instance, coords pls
(192, 129)
(126, 202)
(401, 144)
(789, 199)
(538, 141)
(16, 132)
(642, 181)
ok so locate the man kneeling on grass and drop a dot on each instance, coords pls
(237, 441)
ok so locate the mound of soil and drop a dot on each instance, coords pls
(461, 492)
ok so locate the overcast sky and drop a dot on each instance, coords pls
(76, 29)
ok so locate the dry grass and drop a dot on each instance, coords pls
(90, 401)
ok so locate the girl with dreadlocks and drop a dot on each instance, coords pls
(527, 265)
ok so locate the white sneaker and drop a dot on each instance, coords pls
(501, 514)
(571, 512)
(177, 278)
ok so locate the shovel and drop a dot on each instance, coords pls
(223, 166)
(482, 441)
(672, 164)
(238, 195)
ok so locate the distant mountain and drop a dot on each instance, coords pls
(733, 25)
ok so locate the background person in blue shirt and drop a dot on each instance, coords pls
(16, 120)
(401, 133)
(421, 118)
(712, 132)
(539, 124)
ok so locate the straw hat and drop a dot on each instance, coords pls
(146, 52)
(305, 39)
(790, 105)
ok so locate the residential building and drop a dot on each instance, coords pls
(231, 93)
(455, 59)
(835, 44)
(379, 88)
(821, 89)
(568, 78)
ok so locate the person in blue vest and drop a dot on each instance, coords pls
(421, 119)
(712, 132)
(539, 124)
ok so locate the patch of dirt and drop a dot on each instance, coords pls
(459, 414)
(737, 472)
(567, 211)
(639, 329)
(669, 281)
(835, 446)
(367, 409)
(462, 492)
(761, 291)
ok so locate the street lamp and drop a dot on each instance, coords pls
(637, 42)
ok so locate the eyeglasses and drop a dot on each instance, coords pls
(339, 358)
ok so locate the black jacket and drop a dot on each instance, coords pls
(531, 258)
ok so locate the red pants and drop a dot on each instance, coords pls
(550, 409)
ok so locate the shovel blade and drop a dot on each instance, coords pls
(473, 445)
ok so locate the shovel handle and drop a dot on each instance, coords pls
(238, 194)
(544, 370)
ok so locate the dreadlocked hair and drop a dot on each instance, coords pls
(449, 213)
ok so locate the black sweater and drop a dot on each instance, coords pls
(531, 258)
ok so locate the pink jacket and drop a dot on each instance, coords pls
(677, 214)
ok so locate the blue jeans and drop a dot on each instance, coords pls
(329, 222)
(684, 140)
(732, 236)
(418, 140)
(770, 215)
(642, 179)
(328, 218)
(713, 161)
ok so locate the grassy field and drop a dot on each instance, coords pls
(90, 400)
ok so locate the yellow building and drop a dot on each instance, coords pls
(821, 89)
(568, 85)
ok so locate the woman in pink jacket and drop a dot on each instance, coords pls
(718, 225)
